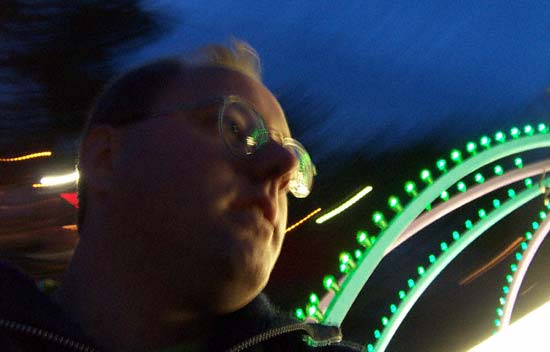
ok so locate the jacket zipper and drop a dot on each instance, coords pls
(46, 335)
(266, 335)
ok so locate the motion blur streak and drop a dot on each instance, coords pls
(305, 218)
(26, 157)
(57, 180)
(500, 257)
(344, 205)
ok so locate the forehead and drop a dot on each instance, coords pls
(200, 84)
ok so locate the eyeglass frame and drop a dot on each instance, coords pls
(224, 100)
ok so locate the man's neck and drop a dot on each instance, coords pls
(118, 316)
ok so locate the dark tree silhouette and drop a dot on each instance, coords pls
(56, 55)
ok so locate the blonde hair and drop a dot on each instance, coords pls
(238, 56)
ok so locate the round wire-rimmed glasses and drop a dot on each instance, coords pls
(244, 132)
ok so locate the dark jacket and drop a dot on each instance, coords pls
(31, 321)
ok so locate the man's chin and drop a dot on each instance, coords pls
(233, 301)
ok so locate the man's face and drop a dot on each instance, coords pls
(201, 219)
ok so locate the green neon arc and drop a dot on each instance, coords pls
(354, 282)
(470, 195)
(447, 256)
(502, 180)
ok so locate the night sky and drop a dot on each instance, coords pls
(409, 70)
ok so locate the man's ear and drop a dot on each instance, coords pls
(97, 154)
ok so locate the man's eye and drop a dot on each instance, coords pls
(235, 129)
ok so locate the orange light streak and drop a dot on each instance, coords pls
(26, 157)
(304, 219)
(500, 257)
(70, 227)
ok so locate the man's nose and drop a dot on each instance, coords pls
(273, 161)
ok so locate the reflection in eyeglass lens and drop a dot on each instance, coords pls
(242, 129)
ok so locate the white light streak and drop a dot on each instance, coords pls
(344, 205)
(49, 181)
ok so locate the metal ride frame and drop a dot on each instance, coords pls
(341, 294)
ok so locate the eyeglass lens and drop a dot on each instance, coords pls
(244, 132)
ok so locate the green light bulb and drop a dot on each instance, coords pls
(496, 203)
(535, 225)
(300, 314)
(426, 176)
(482, 213)
(329, 283)
(542, 128)
(441, 165)
(456, 156)
(410, 188)
(509, 278)
(505, 289)
(485, 142)
(511, 193)
(518, 256)
(358, 254)
(498, 170)
(393, 308)
(385, 321)
(500, 312)
(402, 294)
(479, 178)
(443, 246)
(395, 204)
(456, 235)
(410, 283)
(502, 301)
(461, 186)
(528, 236)
(344, 269)
(314, 312)
(421, 270)
(528, 182)
(311, 310)
(528, 130)
(471, 148)
(518, 162)
(377, 334)
(515, 132)
(345, 257)
(468, 224)
(347, 260)
(444, 196)
(363, 238)
(313, 298)
(370, 348)
(497, 323)
(542, 215)
(432, 258)
(513, 267)
(379, 219)
(500, 137)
